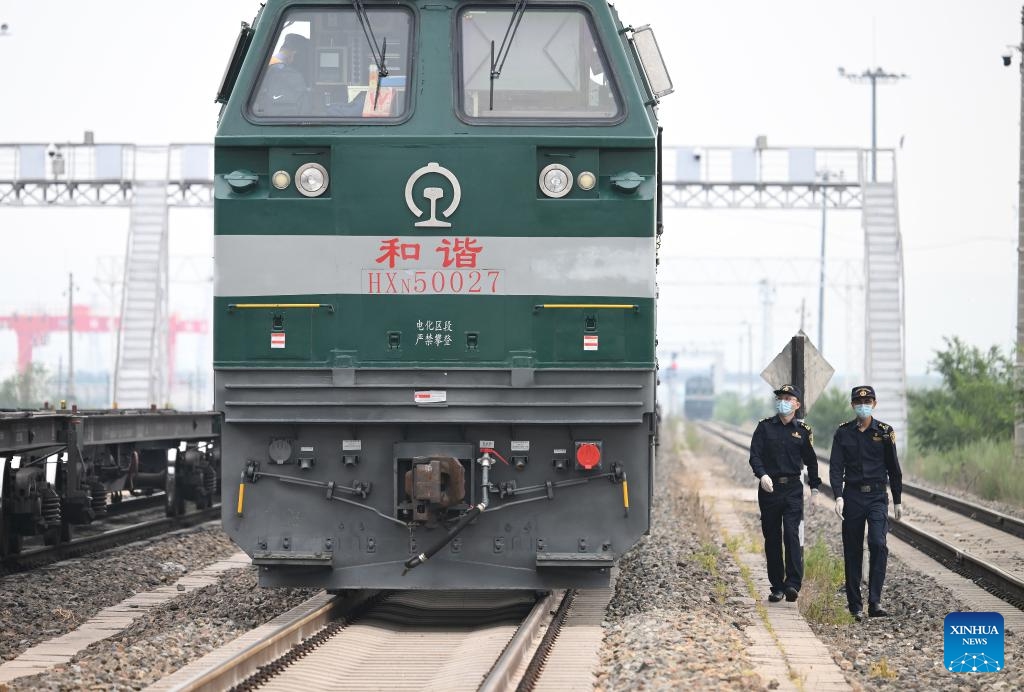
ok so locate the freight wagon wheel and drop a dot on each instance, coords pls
(10, 540)
(57, 534)
(174, 505)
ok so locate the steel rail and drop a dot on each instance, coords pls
(990, 577)
(503, 674)
(31, 559)
(283, 634)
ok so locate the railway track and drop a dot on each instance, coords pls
(973, 541)
(457, 640)
(85, 545)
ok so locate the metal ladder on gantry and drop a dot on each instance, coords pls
(148, 180)
(764, 177)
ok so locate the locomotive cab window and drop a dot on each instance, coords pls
(337, 64)
(544, 64)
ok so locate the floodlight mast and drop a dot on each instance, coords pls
(874, 77)
(1018, 426)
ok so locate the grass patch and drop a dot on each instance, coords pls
(707, 557)
(692, 438)
(985, 468)
(882, 669)
(820, 599)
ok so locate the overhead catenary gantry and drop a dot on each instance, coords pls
(762, 177)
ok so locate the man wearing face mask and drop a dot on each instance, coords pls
(863, 458)
(780, 448)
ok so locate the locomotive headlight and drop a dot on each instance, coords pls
(311, 179)
(281, 180)
(555, 180)
(586, 180)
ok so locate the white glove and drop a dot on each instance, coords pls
(766, 483)
(839, 507)
(897, 511)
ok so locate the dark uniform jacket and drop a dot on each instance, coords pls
(865, 458)
(783, 449)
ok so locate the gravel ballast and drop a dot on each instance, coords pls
(170, 636)
(674, 621)
(44, 603)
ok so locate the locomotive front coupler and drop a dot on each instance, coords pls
(486, 461)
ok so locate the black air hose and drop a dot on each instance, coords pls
(463, 522)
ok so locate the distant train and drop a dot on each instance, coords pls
(699, 401)
(435, 247)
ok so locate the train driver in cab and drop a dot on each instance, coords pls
(284, 90)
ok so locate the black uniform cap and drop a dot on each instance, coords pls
(864, 391)
(295, 42)
(788, 389)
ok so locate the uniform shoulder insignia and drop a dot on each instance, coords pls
(805, 425)
(847, 423)
(765, 420)
(884, 427)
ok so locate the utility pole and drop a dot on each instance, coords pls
(71, 337)
(1018, 428)
(767, 299)
(821, 273)
(873, 77)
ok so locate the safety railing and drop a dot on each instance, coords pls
(792, 166)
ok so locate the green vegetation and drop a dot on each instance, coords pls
(731, 408)
(830, 410)
(882, 669)
(707, 557)
(28, 389)
(961, 434)
(693, 439)
(820, 599)
(985, 468)
(976, 401)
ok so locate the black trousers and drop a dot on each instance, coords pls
(782, 516)
(860, 508)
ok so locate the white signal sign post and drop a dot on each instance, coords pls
(801, 365)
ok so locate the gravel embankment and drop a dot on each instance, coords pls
(673, 623)
(904, 651)
(168, 637)
(44, 603)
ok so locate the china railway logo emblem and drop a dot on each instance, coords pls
(973, 642)
(432, 195)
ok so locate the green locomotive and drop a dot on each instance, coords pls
(436, 227)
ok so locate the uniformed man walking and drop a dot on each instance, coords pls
(780, 448)
(863, 457)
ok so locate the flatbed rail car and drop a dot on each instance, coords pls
(59, 466)
(435, 254)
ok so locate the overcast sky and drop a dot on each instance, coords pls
(146, 72)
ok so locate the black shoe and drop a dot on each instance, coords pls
(775, 596)
(791, 594)
(875, 611)
(858, 616)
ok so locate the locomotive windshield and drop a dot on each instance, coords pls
(322, 66)
(554, 68)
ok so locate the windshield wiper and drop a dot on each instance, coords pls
(379, 53)
(498, 61)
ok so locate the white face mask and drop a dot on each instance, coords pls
(863, 410)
